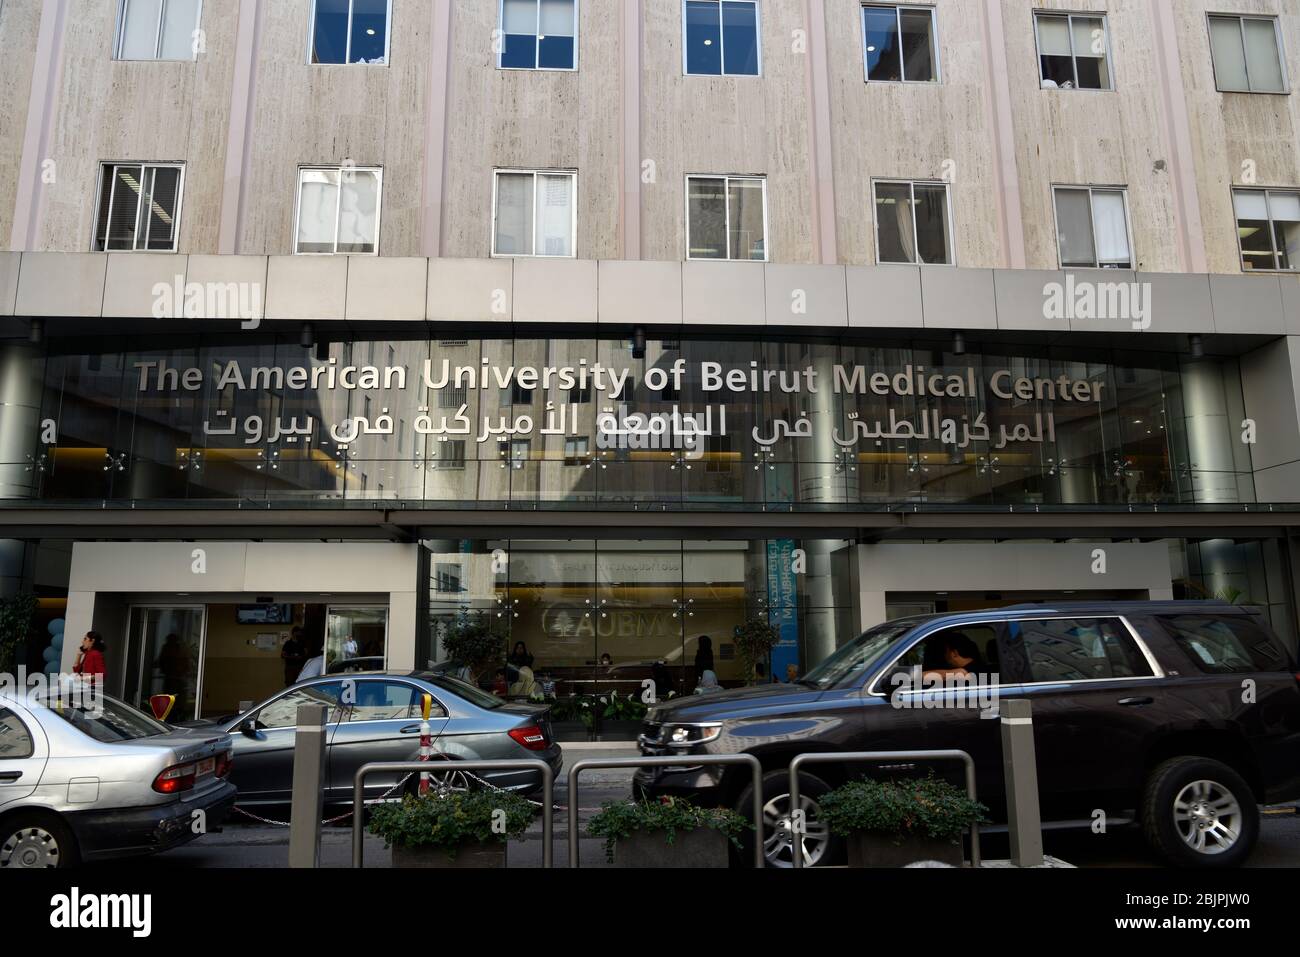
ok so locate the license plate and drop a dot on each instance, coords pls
(206, 766)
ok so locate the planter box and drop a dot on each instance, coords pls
(879, 850)
(607, 730)
(467, 856)
(703, 847)
(570, 731)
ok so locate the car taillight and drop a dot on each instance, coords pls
(224, 763)
(530, 736)
(175, 779)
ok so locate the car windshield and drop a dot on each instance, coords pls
(115, 721)
(852, 661)
(463, 689)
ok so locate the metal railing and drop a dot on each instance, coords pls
(848, 757)
(444, 767)
(669, 761)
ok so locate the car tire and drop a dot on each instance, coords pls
(36, 839)
(821, 847)
(1197, 812)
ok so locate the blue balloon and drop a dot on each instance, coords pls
(52, 668)
(51, 654)
(56, 626)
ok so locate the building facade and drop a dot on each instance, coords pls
(625, 322)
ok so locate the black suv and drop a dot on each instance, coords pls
(1180, 716)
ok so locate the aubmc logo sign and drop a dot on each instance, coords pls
(75, 910)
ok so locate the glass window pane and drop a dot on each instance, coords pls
(140, 29)
(1250, 203)
(369, 31)
(703, 38)
(1228, 55)
(160, 207)
(383, 701)
(746, 239)
(894, 228)
(519, 26)
(740, 38)
(122, 217)
(1074, 227)
(1262, 55)
(180, 20)
(918, 45)
(1090, 53)
(1285, 210)
(882, 50)
(932, 244)
(330, 36)
(555, 216)
(1253, 229)
(558, 28)
(1056, 62)
(514, 226)
(317, 210)
(707, 213)
(359, 212)
(1112, 227)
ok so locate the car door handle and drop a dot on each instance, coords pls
(10, 775)
(1136, 702)
(410, 729)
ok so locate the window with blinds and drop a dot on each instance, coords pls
(338, 210)
(534, 213)
(139, 207)
(538, 35)
(1092, 227)
(157, 30)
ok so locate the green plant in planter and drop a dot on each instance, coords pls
(476, 640)
(451, 819)
(622, 709)
(16, 614)
(577, 708)
(619, 819)
(755, 640)
(926, 807)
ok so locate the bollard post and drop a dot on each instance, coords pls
(426, 740)
(1020, 771)
(308, 791)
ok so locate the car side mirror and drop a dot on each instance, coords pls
(248, 728)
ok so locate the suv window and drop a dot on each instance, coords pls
(387, 701)
(1077, 649)
(975, 644)
(1221, 645)
(15, 739)
(283, 711)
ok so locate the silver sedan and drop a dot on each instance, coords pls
(78, 784)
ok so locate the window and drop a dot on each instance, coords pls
(1069, 649)
(350, 31)
(514, 453)
(1226, 645)
(338, 210)
(15, 740)
(388, 701)
(1268, 228)
(912, 223)
(721, 37)
(1073, 51)
(139, 207)
(580, 395)
(519, 395)
(726, 217)
(451, 454)
(448, 578)
(899, 44)
(539, 35)
(534, 213)
(1247, 54)
(453, 398)
(157, 29)
(576, 451)
(283, 711)
(976, 644)
(1092, 227)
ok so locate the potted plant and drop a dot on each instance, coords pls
(755, 640)
(16, 614)
(895, 823)
(620, 717)
(670, 832)
(476, 641)
(451, 828)
(574, 718)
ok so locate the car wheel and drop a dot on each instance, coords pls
(36, 841)
(1199, 813)
(440, 780)
(819, 845)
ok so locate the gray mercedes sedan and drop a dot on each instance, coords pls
(376, 717)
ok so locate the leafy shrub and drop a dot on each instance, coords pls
(755, 640)
(928, 807)
(451, 819)
(619, 819)
(476, 640)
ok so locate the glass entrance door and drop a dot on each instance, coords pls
(356, 638)
(164, 653)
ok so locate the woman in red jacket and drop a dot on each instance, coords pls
(91, 659)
